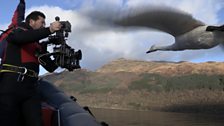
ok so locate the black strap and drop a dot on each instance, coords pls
(20, 70)
(5, 31)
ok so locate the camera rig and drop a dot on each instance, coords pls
(64, 55)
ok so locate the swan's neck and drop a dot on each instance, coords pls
(166, 48)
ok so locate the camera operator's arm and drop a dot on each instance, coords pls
(23, 36)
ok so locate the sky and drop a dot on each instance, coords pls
(102, 44)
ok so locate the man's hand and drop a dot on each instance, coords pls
(55, 26)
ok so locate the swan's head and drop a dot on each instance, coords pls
(152, 49)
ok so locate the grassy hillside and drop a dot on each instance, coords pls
(94, 82)
(125, 89)
(155, 82)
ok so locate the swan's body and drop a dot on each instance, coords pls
(188, 32)
(198, 38)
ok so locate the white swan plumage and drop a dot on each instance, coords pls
(188, 32)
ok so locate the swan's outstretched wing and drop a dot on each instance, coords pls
(172, 21)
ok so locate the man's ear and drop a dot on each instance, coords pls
(31, 22)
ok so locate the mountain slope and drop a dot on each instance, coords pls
(163, 68)
(130, 84)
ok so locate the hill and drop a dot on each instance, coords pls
(130, 84)
(163, 68)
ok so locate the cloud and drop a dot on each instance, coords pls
(101, 44)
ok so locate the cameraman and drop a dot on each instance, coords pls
(20, 69)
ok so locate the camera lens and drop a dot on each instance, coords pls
(78, 55)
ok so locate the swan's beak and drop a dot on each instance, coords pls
(149, 51)
(152, 49)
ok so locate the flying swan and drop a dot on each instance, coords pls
(188, 32)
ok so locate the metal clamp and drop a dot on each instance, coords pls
(25, 70)
(21, 74)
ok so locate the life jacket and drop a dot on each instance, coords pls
(17, 18)
(3, 41)
(29, 50)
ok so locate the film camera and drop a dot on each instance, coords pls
(64, 55)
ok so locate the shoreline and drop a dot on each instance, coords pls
(188, 101)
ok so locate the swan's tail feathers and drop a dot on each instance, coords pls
(215, 28)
